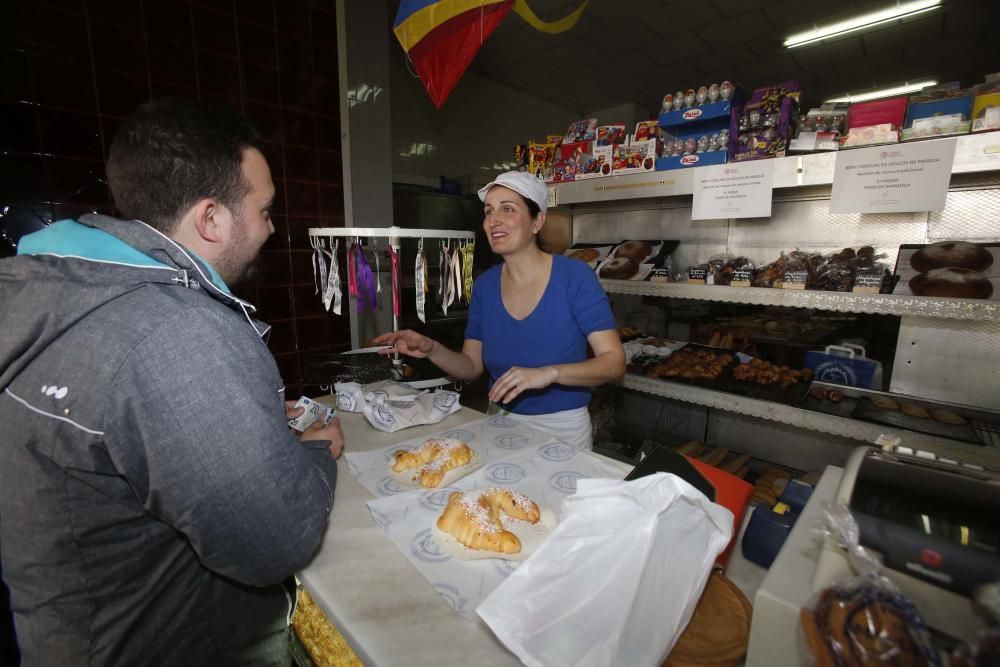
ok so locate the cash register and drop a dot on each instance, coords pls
(934, 523)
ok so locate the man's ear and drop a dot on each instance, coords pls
(208, 217)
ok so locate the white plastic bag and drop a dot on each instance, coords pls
(391, 415)
(352, 397)
(617, 581)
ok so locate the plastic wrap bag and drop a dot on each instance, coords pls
(864, 621)
(391, 415)
(617, 581)
(352, 397)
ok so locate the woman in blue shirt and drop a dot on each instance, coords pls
(531, 320)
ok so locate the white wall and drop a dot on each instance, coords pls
(472, 136)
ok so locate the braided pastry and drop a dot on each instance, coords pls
(473, 518)
(434, 458)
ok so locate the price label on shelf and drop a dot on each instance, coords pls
(741, 278)
(733, 190)
(552, 197)
(900, 178)
(795, 280)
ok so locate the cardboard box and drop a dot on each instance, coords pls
(884, 116)
(637, 157)
(986, 112)
(938, 116)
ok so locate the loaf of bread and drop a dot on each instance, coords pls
(951, 254)
(955, 282)
(473, 518)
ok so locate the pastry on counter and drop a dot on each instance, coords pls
(434, 458)
(473, 518)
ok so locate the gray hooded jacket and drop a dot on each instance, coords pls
(151, 496)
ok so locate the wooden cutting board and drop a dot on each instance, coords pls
(719, 630)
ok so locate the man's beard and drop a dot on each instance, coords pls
(233, 267)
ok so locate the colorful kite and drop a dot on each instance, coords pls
(441, 37)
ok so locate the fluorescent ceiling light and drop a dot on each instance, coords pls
(901, 10)
(885, 92)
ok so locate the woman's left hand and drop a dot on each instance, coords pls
(516, 380)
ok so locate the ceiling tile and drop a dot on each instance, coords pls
(815, 55)
(726, 59)
(624, 37)
(721, 34)
(676, 48)
(754, 75)
(737, 7)
(925, 31)
(678, 19)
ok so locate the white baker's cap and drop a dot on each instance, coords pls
(522, 183)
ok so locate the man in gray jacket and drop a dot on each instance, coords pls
(152, 498)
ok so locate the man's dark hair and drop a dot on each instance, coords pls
(172, 152)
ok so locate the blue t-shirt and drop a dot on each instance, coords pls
(572, 307)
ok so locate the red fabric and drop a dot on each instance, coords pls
(442, 57)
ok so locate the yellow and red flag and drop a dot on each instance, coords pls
(441, 37)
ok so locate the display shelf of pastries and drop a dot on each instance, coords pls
(841, 302)
(801, 417)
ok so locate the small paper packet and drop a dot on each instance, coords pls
(314, 411)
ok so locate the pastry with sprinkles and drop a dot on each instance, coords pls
(432, 460)
(473, 518)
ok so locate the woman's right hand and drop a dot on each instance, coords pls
(406, 342)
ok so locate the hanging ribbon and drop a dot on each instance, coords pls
(445, 284)
(468, 252)
(456, 274)
(335, 278)
(378, 268)
(352, 273)
(396, 282)
(366, 282)
(420, 276)
(328, 283)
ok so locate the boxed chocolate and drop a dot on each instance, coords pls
(609, 135)
(581, 130)
(875, 122)
(939, 112)
(636, 157)
(766, 124)
(820, 129)
(598, 164)
(986, 109)
(956, 269)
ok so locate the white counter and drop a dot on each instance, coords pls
(381, 604)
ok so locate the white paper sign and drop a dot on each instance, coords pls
(893, 179)
(734, 190)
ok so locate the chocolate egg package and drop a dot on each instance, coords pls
(698, 131)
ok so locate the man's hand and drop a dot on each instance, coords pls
(332, 432)
(291, 412)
